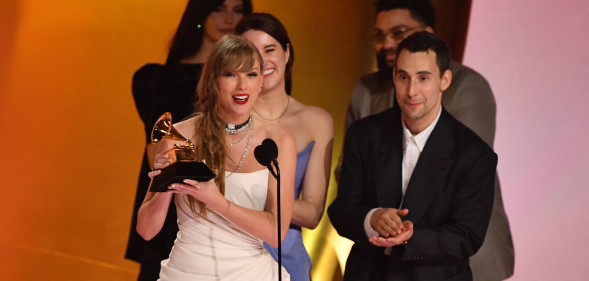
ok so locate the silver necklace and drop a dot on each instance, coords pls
(234, 129)
(240, 139)
(247, 145)
(272, 120)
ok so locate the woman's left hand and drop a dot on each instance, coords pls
(206, 192)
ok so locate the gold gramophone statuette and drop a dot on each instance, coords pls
(186, 166)
(163, 129)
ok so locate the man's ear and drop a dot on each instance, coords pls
(446, 80)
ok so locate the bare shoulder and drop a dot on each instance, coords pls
(279, 134)
(315, 118)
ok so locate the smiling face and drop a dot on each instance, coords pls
(274, 56)
(419, 88)
(223, 20)
(238, 91)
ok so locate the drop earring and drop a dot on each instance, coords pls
(260, 90)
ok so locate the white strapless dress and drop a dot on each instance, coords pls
(213, 248)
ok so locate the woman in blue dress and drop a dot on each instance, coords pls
(311, 126)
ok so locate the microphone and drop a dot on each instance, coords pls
(266, 153)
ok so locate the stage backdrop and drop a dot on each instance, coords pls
(534, 54)
(72, 140)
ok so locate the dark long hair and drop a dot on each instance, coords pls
(188, 38)
(273, 27)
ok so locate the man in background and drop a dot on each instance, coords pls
(468, 98)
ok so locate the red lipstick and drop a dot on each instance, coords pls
(241, 98)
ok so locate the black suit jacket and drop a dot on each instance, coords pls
(449, 197)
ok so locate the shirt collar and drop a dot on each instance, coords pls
(422, 137)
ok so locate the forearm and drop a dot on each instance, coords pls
(152, 215)
(261, 224)
(307, 214)
(348, 220)
(441, 243)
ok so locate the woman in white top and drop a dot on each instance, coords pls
(224, 222)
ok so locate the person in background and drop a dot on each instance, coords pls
(171, 88)
(224, 221)
(469, 99)
(311, 126)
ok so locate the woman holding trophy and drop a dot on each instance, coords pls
(224, 222)
(170, 87)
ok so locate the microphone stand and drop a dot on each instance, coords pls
(277, 176)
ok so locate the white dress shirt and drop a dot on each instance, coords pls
(412, 148)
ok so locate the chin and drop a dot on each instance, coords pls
(269, 85)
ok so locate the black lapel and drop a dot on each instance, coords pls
(430, 172)
(389, 160)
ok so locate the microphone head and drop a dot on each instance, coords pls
(271, 149)
(260, 155)
(266, 152)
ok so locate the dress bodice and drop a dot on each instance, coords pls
(212, 248)
(248, 190)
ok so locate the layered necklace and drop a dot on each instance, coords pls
(233, 129)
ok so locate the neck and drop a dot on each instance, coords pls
(272, 103)
(235, 119)
(203, 52)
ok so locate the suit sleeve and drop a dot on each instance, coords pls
(348, 210)
(474, 106)
(471, 207)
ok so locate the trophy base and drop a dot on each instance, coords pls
(178, 172)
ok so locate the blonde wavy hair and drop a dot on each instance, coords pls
(231, 53)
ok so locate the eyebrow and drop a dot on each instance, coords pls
(270, 46)
(394, 27)
(422, 72)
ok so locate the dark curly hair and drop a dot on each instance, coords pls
(420, 10)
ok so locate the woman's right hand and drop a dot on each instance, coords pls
(161, 161)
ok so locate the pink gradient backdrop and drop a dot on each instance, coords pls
(535, 56)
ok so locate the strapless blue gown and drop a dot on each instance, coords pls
(295, 258)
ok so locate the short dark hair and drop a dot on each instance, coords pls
(188, 37)
(273, 27)
(424, 41)
(420, 10)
